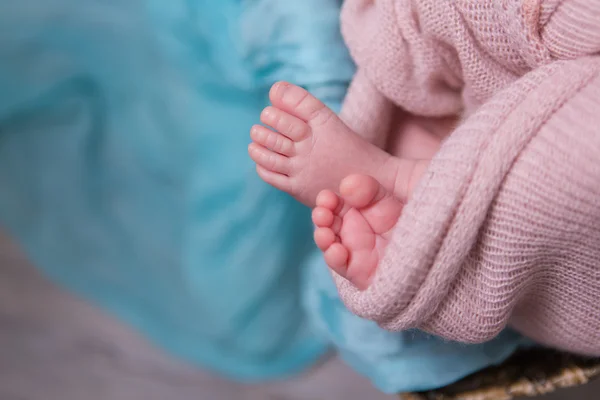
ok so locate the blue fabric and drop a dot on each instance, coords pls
(125, 178)
(396, 362)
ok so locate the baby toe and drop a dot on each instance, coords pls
(324, 238)
(336, 257)
(272, 140)
(288, 125)
(279, 181)
(268, 159)
(328, 199)
(322, 217)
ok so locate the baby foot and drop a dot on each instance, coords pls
(353, 229)
(310, 149)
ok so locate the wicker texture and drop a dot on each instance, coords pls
(528, 373)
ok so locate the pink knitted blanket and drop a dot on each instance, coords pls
(505, 227)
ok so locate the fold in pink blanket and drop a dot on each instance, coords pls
(504, 229)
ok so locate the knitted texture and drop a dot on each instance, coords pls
(504, 229)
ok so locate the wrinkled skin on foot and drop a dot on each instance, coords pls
(309, 148)
(358, 190)
(353, 228)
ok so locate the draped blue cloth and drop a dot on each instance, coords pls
(125, 179)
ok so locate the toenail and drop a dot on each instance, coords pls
(279, 88)
(270, 116)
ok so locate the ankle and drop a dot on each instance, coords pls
(415, 174)
(401, 176)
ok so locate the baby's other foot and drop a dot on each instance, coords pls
(309, 148)
(353, 229)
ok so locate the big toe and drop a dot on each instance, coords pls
(360, 190)
(299, 103)
(379, 208)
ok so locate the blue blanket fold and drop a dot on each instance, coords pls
(125, 178)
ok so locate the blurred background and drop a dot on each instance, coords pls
(140, 255)
(54, 346)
